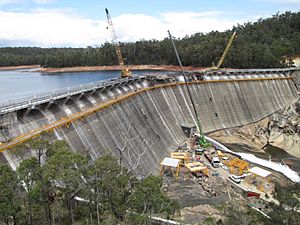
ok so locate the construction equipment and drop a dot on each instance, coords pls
(238, 164)
(195, 167)
(125, 72)
(182, 156)
(214, 160)
(202, 141)
(171, 164)
(225, 52)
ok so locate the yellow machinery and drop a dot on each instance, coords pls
(219, 153)
(182, 156)
(125, 72)
(238, 164)
(195, 167)
(225, 52)
(171, 164)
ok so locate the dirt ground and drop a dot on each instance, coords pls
(131, 67)
(102, 68)
(19, 67)
(203, 198)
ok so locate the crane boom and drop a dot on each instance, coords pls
(202, 141)
(124, 69)
(226, 50)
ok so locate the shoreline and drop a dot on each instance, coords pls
(19, 67)
(102, 68)
(113, 68)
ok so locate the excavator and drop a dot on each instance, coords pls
(125, 72)
(225, 52)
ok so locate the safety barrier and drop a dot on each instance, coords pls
(40, 98)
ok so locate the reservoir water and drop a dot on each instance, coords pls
(24, 82)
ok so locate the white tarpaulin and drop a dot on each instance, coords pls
(170, 162)
(284, 169)
(260, 172)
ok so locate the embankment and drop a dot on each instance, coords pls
(117, 67)
(101, 68)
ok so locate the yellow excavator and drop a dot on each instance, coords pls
(225, 52)
(125, 72)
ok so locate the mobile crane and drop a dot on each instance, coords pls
(202, 141)
(125, 72)
(225, 52)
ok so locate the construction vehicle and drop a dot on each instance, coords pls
(214, 160)
(125, 72)
(225, 52)
(202, 141)
(199, 151)
(197, 167)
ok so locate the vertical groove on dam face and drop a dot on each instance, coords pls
(150, 121)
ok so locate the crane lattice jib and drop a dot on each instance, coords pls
(226, 49)
(125, 72)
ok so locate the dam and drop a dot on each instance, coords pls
(141, 118)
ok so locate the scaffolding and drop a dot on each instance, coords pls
(171, 164)
(184, 157)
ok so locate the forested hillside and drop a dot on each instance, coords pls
(258, 45)
(58, 186)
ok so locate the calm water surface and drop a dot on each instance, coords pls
(19, 83)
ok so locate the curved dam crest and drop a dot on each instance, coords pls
(147, 126)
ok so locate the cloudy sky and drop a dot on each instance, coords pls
(74, 23)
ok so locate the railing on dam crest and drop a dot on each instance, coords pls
(40, 98)
(211, 75)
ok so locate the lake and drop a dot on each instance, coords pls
(24, 82)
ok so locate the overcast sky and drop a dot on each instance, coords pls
(74, 23)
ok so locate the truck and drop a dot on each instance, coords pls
(199, 151)
(214, 160)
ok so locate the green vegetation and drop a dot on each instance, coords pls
(258, 45)
(288, 212)
(59, 186)
(236, 212)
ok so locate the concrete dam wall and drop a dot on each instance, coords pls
(147, 125)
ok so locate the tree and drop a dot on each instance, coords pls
(148, 198)
(65, 170)
(9, 204)
(259, 44)
(110, 185)
(287, 213)
(39, 146)
(29, 172)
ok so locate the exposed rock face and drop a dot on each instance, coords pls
(283, 129)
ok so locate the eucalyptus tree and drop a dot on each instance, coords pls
(9, 199)
(65, 169)
(29, 173)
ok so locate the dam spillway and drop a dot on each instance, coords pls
(146, 125)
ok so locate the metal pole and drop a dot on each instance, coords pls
(198, 124)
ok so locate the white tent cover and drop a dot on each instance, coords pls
(170, 162)
(259, 171)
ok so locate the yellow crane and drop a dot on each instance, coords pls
(225, 52)
(125, 72)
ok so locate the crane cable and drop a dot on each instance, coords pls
(198, 124)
